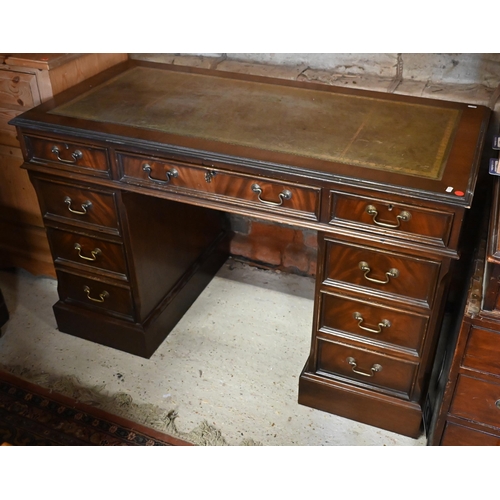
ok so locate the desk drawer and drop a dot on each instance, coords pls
(90, 252)
(483, 351)
(376, 323)
(372, 369)
(255, 192)
(477, 400)
(72, 155)
(381, 273)
(82, 205)
(95, 294)
(432, 225)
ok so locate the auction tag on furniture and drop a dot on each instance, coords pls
(496, 142)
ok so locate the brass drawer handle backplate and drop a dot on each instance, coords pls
(385, 323)
(284, 195)
(374, 369)
(403, 216)
(102, 297)
(171, 174)
(77, 155)
(94, 253)
(392, 273)
(85, 206)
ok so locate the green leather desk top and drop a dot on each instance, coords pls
(394, 136)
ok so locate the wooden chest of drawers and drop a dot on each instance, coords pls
(136, 169)
(469, 410)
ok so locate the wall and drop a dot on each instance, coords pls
(471, 78)
(468, 77)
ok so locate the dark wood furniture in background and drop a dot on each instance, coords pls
(27, 80)
(137, 168)
(4, 312)
(469, 413)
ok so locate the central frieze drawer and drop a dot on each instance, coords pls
(372, 369)
(381, 273)
(432, 226)
(477, 400)
(255, 192)
(94, 253)
(88, 207)
(78, 157)
(95, 294)
(377, 324)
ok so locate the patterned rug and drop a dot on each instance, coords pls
(119, 405)
(31, 415)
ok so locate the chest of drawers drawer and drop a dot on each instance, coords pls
(374, 323)
(296, 200)
(18, 92)
(381, 273)
(398, 219)
(458, 435)
(477, 400)
(369, 368)
(106, 297)
(483, 351)
(18, 89)
(80, 205)
(90, 252)
(69, 155)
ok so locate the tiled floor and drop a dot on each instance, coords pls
(232, 361)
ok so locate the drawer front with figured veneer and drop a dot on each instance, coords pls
(294, 200)
(375, 323)
(95, 294)
(429, 226)
(93, 208)
(381, 273)
(372, 369)
(477, 400)
(78, 157)
(94, 253)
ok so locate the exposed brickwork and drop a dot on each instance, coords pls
(279, 246)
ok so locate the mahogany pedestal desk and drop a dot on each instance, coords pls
(136, 170)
